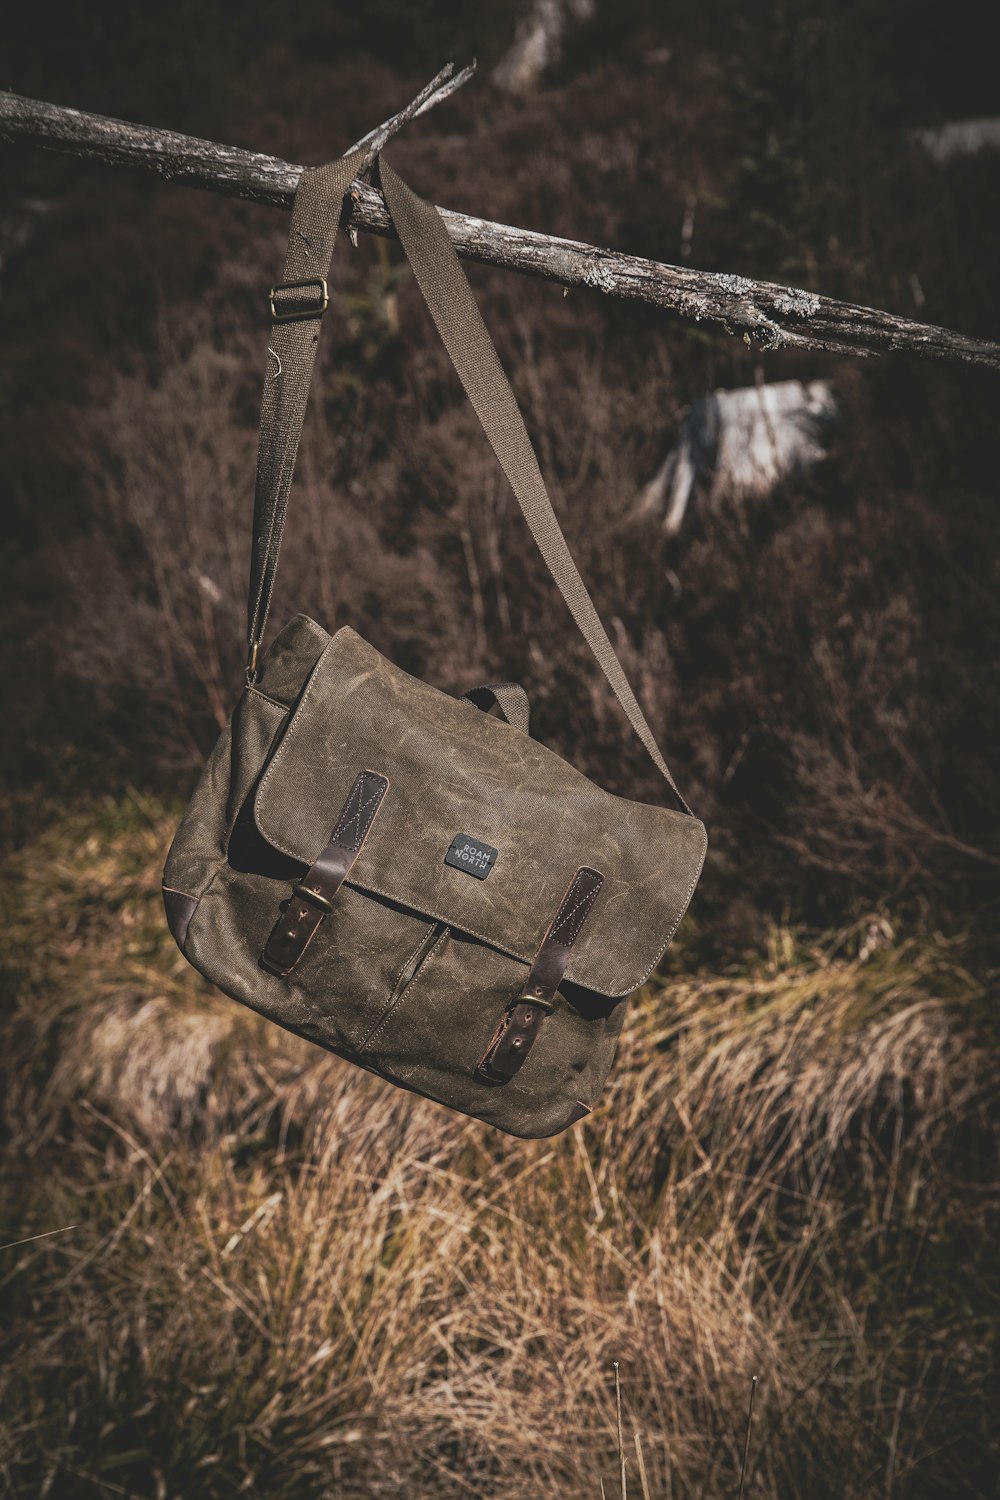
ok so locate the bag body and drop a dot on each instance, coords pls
(395, 873)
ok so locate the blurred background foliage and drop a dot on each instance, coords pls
(798, 1173)
(819, 665)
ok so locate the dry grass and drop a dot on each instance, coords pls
(289, 1279)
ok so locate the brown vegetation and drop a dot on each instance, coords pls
(287, 1278)
(817, 665)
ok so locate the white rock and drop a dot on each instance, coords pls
(959, 138)
(17, 227)
(538, 42)
(739, 444)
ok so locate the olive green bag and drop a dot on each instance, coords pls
(394, 873)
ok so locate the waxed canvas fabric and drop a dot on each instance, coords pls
(415, 964)
(454, 769)
(257, 817)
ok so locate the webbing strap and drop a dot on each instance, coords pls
(291, 351)
(446, 290)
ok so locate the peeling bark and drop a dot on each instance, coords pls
(767, 315)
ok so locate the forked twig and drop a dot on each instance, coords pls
(441, 87)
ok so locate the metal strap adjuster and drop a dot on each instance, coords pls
(289, 312)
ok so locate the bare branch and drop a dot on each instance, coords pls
(769, 315)
(440, 88)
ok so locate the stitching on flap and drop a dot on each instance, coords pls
(347, 817)
(492, 940)
(283, 747)
(680, 915)
(271, 702)
(586, 901)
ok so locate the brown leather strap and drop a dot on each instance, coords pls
(515, 1036)
(509, 697)
(312, 897)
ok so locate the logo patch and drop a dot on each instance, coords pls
(471, 855)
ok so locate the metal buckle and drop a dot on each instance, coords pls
(292, 312)
(307, 893)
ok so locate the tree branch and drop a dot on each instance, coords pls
(770, 316)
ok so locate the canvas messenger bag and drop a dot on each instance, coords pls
(397, 874)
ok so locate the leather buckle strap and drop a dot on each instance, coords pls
(312, 897)
(311, 893)
(516, 1033)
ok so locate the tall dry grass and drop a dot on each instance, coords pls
(288, 1279)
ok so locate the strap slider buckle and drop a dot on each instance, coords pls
(291, 309)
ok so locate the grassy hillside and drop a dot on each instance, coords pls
(287, 1279)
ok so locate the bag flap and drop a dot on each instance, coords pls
(454, 770)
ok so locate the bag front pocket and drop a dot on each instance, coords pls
(406, 981)
(442, 1018)
(362, 958)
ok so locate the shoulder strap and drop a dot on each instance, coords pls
(456, 314)
(298, 303)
